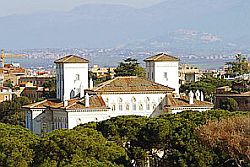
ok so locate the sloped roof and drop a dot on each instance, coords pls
(183, 101)
(71, 59)
(130, 84)
(245, 94)
(161, 57)
(95, 102)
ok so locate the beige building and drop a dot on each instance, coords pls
(189, 73)
(38, 80)
(5, 94)
(12, 73)
(102, 72)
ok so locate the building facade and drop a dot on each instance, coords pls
(128, 95)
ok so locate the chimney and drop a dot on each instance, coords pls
(202, 96)
(197, 95)
(91, 83)
(65, 103)
(87, 100)
(191, 97)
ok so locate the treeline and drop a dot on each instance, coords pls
(11, 112)
(182, 139)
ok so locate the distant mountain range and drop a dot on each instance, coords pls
(173, 23)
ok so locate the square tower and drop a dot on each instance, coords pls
(163, 69)
(71, 77)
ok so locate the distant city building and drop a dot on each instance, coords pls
(188, 74)
(1, 77)
(5, 94)
(12, 73)
(102, 72)
(77, 103)
(34, 93)
(38, 80)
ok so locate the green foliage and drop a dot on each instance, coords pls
(51, 86)
(84, 147)
(120, 141)
(173, 135)
(11, 111)
(130, 67)
(239, 66)
(207, 85)
(8, 83)
(229, 104)
(16, 146)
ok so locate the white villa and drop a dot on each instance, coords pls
(79, 102)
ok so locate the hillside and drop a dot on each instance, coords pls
(98, 25)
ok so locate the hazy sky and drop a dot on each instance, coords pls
(8, 7)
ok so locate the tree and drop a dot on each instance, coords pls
(8, 83)
(16, 146)
(207, 85)
(130, 67)
(51, 86)
(81, 147)
(229, 104)
(11, 111)
(168, 140)
(229, 136)
(239, 66)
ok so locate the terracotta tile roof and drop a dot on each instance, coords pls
(161, 57)
(71, 59)
(245, 94)
(130, 84)
(95, 102)
(183, 101)
(54, 103)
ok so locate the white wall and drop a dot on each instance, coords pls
(33, 120)
(67, 84)
(92, 115)
(119, 103)
(169, 69)
(200, 109)
(77, 118)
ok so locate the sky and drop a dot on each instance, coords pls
(9, 7)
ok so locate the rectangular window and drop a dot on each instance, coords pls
(77, 77)
(166, 76)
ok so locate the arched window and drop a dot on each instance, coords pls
(154, 106)
(161, 103)
(127, 107)
(120, 104)
(113, 107)
(147, 103)
(107, 102)
(133, 104)
(141, 107)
